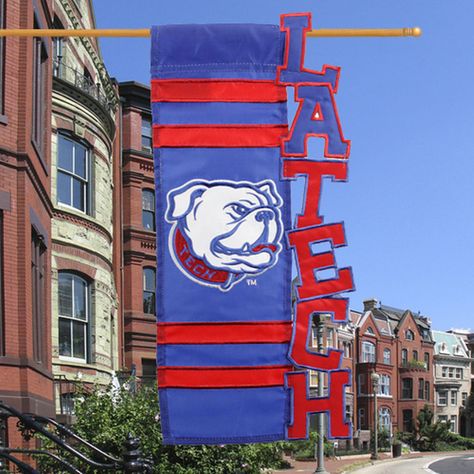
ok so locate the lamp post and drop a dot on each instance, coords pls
(375, 377)
(320, 320)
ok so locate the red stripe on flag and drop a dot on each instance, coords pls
(199, 90)
(209, 136)
(224, 333)
(222, 377)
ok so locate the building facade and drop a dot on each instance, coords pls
(452, 371)
(25, 214)
(398, 346)
(86, 197)
(139, 237)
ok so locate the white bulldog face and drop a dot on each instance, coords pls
(232, 226)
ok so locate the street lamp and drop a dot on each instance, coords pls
(375, 377)
(320, 320)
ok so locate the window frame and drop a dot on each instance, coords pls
(151, 212)
(148, 119)
(85, 322)
(39, 83)
(145, 290)
(385, 385)
(370, 353)
(409, 335)
(454, 398)
(38, 295)
(86, 182)
(385, 358)
(404, 356)
(405, 389)
(439, 398)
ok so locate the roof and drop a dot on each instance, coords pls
(449, 344)
(389, 318)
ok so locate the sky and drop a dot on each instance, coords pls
(406, 104)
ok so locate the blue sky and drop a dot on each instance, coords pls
(406, 105)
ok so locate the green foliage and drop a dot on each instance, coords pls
(383, 439)
(105, 419)
(434, 436)
(305, 449)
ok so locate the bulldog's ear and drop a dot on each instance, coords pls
(181, 200)
(269, 189)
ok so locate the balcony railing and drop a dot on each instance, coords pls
(82, 82)
(414, 365)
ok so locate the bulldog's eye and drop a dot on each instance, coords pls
(239, 209)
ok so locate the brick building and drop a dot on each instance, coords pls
(86, 225)
(25, 213)
(139, 246)
(398, 346)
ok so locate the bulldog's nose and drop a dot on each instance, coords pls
(264, 216)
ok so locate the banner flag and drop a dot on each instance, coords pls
(227, 343)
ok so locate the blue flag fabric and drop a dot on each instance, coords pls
(223, 270)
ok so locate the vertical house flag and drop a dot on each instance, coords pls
(232, 351)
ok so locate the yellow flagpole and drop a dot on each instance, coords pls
(145, 33)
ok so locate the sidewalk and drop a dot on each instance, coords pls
(338, 466)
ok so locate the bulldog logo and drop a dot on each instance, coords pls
(224, 231)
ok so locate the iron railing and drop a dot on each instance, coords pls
(81, 81)
(63, 438)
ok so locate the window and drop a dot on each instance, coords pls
(415, 355)
(384, 385)
(427, 361)
(427, 391)
(74, 296)
(361, 418)
(148, 371)
(443, 418)
(387, 356)
(408, 421)
(39, 91)
(458, 373)
(314, 337)
(444, 372)
(146, 134)
(368, 351)
(330, 338)
(313, 378)
(370, 331)
(73, 173)
(442, 398)
(361, 388)
(421, 389)
(385, 421)
(451, 372)
(2, 327)
(347, 350)
(407, 388)
(148, 209)
(409, 335)
(2, 54)
(464, 398)
(454, 398)
(149, 290)
(58, 47)
(404, 356)
(453, 423)
(38, 288)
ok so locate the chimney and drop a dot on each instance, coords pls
(369, 304)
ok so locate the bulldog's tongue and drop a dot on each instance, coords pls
(260, 247)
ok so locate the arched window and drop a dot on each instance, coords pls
(384, 385)
(73, 173)
(149, 275)
(148, 209)
(415, 355)
(368, 351)
(387, 356)
(409, 335)
(404, 356)
(74, 316)
(385, 419)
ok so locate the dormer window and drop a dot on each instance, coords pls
(409, 335)
(370, 331)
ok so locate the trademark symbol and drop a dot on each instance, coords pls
(251, 282)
